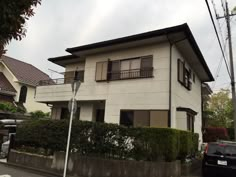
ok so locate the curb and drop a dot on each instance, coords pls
(30, 169)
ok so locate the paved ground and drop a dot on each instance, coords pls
(8, 171)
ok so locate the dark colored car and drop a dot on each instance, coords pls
(219, 159)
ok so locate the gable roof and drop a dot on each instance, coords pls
(5, 85)
(24, 72)
(180, 35)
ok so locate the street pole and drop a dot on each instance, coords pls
(75, 87)
(227, 18)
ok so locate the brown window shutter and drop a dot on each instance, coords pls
(104, 70)
(101, 71)
(69, 76)
(146, 62)
(181, 72)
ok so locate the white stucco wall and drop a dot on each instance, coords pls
(76, 66)
(181, 97)
(148, 93)
(181, 120)
(30, 103)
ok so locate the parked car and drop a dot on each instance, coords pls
(4, 149)
(219, 159)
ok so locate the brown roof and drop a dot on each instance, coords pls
(24, 72)
(5, 85)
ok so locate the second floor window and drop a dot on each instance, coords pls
(70, 76)
(23, 94)
(140, 67)
(184, 75)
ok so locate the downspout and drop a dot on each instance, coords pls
(170, 78)
(170, 85)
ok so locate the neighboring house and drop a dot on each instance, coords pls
(150, 79)
(18, 81)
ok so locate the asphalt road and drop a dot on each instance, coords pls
(8, 171)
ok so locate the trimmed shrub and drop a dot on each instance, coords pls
(39, 114)
(156, 144)
(104, 140)
(185, 144)
(231, 133)
(212, 134)
(9, 107)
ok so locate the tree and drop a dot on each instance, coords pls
(13, 16)
(220, 110)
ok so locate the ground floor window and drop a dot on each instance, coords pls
(65, 114)
(144, 118)
(100, 115)
(190, 122)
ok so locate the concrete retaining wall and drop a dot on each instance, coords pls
(96, 167)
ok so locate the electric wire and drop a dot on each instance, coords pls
(217, 35)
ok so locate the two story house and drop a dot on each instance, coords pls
(152, 79)
(18, 82)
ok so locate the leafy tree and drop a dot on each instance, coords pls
(220, 110)
(13, 16)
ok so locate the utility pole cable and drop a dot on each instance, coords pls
(227, 18)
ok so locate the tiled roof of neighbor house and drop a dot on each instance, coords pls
(24, 72)
(5, 85)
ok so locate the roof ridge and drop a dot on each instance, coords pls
(25, 63)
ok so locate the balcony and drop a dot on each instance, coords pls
(77, 76)
(131, 74)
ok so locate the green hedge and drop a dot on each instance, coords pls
(106, 140)
(9, 107)
(231, 133)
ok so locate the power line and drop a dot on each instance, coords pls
(219, 66)
(217, 35)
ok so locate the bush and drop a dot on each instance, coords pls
(105, 140)
(39, 114)
(231, 133)
(8, 107)
(212, 134)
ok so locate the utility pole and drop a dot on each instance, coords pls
(227, 16)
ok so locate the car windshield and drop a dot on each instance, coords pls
(218, 149)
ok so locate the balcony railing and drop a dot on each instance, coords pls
(69, 77)
(59, 81)
(131, 74)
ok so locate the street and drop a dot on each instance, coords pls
(8, 171)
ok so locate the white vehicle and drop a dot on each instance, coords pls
(4, 149)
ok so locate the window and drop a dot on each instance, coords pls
(100, 115)
(140, 67)
(65, 114)
(23, 94)
(187, 76)
(190, 122)
(146, 66)
(70, 76)
(184, 75)
(79, 76)
(115, 70)
(144, 118)
(127, 118)
(101, 71)
(130, 68)
(159, 119)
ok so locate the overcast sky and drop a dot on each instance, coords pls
(59, 24)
